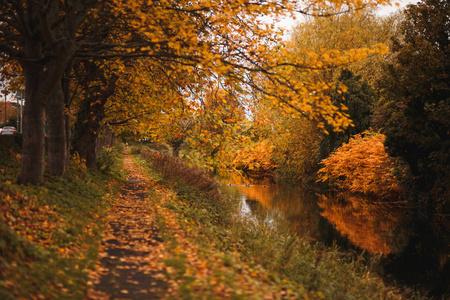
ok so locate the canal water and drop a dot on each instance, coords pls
(417, 255)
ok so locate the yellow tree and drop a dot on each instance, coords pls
(344, 32)
(136, 99)
(150, 103)
(326, 45)
(224, 38)
(219, 124)
(230, 39)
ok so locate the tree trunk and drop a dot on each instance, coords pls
(85, 134)
(57, 151)
(40, 35)
(65, 83)
(36, 95)
(32, 167)
(40, 82)
(89, 120)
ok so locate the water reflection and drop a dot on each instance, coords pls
(416, 252)
(275, 205)
(373, 226)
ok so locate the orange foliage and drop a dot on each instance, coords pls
(362, 165)
(256, 157)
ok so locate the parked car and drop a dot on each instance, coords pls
(8, 130)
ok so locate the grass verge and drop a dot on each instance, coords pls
(49, 234)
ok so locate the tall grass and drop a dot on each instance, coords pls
(174, 168)
(110, 161)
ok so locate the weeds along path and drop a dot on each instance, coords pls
(131, 245)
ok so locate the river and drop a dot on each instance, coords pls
(417, 255)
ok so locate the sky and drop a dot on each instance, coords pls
(386, 10)
(382, 11)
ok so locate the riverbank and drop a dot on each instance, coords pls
(289, 264)
(50, 238)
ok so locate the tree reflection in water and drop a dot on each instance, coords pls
(275, 205)
(373, 226)
(415, 252)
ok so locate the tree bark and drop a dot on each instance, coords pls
(40, 83)
(32, 167)
(84, 134)
(56, 121)
(40, 35)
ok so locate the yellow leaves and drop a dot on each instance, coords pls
(326, 58)
(195, 7)
(193, 41)
(342, 87)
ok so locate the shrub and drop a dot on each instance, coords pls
(362, 165)
(110, 160)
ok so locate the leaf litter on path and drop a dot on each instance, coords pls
(126, 268)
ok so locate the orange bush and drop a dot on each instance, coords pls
(362, 165)
(256, 157)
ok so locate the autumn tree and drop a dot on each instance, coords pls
(343, 32)
(295, 150)
(11, 76)
(415, 112)
(220, 126)
(41, 37)
(228, 39)
(293, 141)
(154, 107)
(10, 112)
(296, 138)
(256, 158)
(99, 85)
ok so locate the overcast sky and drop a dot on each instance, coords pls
(382, 11)
(390, 9)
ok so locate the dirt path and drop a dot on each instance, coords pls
(130, 246)
(152, 249)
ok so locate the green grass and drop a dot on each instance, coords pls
(50, 234)
(322, 271)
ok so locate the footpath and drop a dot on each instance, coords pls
(151, 250)
(131, 245)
